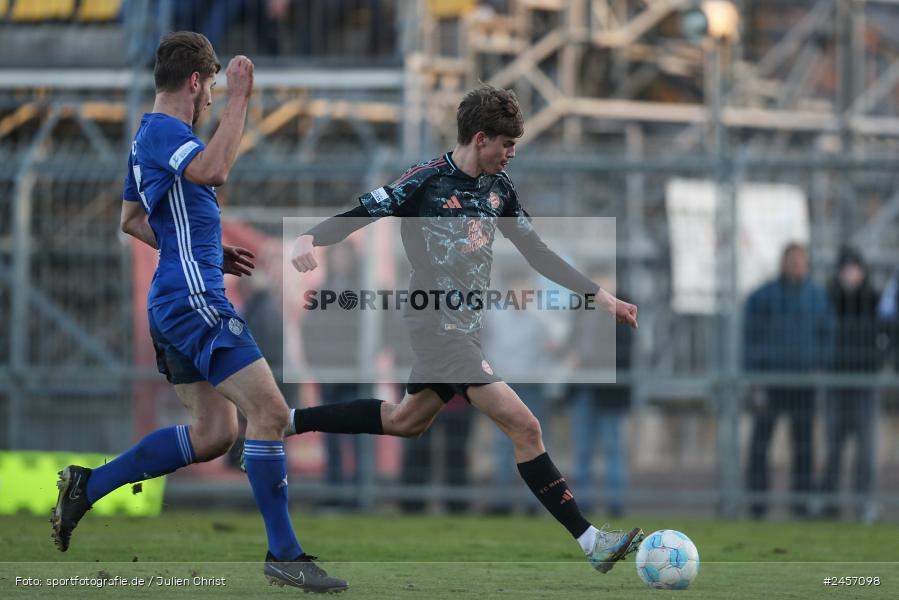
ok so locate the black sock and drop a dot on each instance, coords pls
(358, 416)
(549, 486)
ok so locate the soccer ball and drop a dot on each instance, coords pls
(667, 560)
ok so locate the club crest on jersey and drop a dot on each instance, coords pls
(235, 326)
(487, 368)
(494, 200)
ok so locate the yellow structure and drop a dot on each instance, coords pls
(48, 10)
(99, 10)
(28, 484)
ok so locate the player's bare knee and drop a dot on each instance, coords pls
(271, 418)
(529, 433)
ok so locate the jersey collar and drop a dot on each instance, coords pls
(449, 159)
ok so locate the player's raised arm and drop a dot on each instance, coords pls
(554, 267)
(213, 164)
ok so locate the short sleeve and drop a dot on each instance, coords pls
(400, 198)
(131, 192)
(174, 145)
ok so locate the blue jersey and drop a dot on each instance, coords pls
(184, 216)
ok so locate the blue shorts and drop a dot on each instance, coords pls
(201, 338)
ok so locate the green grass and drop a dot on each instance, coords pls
(419, 558)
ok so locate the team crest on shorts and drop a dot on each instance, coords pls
(235, 326)
(487, 368)
(494, 200)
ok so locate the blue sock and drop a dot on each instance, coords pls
(267, 472)
(159, 453)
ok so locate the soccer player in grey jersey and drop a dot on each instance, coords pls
(456, 254)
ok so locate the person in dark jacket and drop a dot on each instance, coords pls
(850, 411)
(788, 328)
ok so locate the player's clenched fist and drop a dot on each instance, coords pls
(302, 256)
(624, 312)
(240, 76)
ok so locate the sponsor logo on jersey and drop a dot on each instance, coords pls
(453, 202)
(379, 195)
(487, 368)
(181, 153)
(477, 237)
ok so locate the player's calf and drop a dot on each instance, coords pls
(211, 444)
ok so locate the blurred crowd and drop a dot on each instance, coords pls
(793, 325)
(281, 27)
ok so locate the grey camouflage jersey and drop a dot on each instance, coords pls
(450, 247)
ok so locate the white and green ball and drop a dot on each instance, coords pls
(667, 560)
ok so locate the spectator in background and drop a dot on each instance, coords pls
(216, 18)
(344, 28)
(888, 315)
(600, 410)
(516, 341)
(420, 462)
(850, 411)
(788, 328)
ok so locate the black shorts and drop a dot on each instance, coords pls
(448, 363)
(176, 367)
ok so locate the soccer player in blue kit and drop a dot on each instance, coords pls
(202, 345)
(450, 209)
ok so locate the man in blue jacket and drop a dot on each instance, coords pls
(788, 328)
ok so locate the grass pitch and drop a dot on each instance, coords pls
(218, 555)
